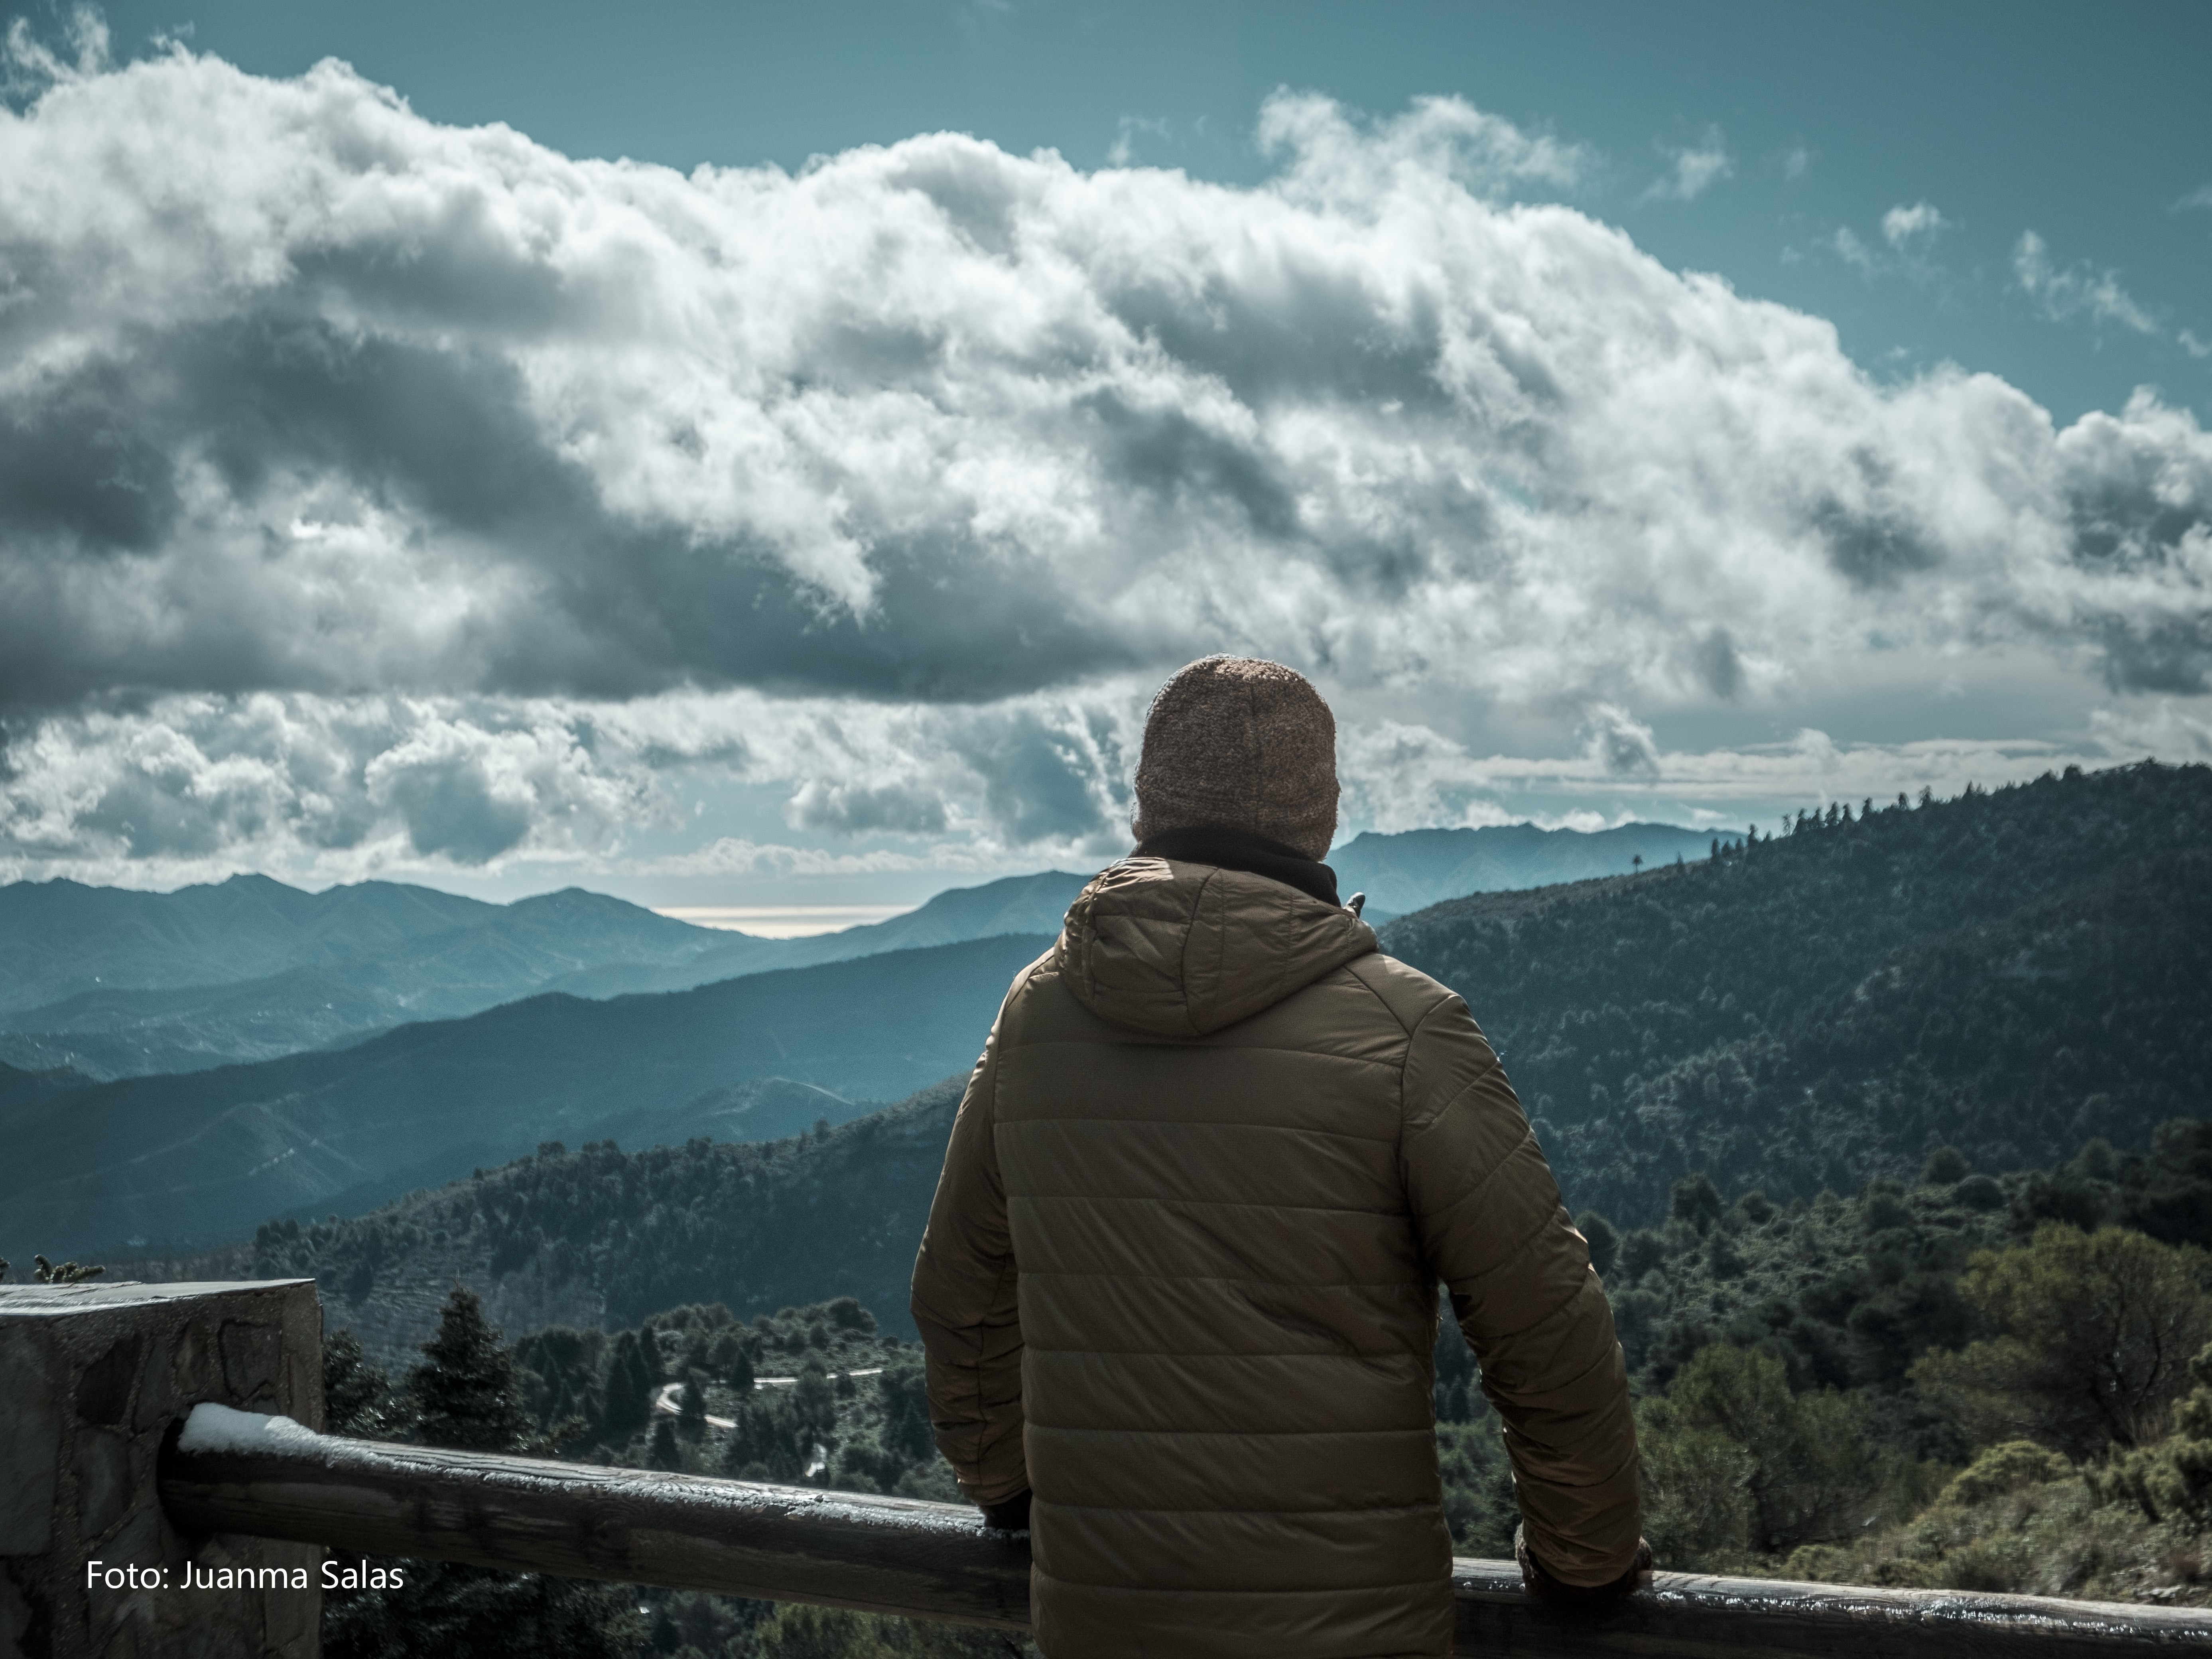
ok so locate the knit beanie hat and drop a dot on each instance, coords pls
(1240, 744)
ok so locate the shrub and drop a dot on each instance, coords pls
(2097, 1329)
(2005, 1468)
(2174, 1478)
(1603, 1238)
(1947, 1166)
(1696, 1200)
(1979, 1192)
(1729, 1436)
(1640, 1252)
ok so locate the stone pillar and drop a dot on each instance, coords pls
(92, 1377)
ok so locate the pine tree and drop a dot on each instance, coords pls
(648, 1351)
(629, 1388)
(357, 1396)
(814, 1400)
(905, 1394)
(691, 1410)
(471, 1398)
(469, 1395)
(665, 1454)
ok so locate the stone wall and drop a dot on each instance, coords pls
(93, 1377)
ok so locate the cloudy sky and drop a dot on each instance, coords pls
(732, 455)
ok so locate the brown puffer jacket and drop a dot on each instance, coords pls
(1179, 1278)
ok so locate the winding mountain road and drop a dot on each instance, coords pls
(667, 1397)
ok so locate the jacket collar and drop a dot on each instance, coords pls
(1226, 848)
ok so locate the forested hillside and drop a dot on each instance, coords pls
(595, 1236)
(2009, 972)
(1416, 868)
(202, 1159)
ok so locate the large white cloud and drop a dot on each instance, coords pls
(327, 788)
(899, 478)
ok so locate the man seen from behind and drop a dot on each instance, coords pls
(1179, 1286)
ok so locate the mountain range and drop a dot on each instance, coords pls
(111, 984)
(2010, 973)
(173, 1160)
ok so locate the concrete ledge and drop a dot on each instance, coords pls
(92, 1376)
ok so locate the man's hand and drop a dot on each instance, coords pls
(1011, 1514)
(1540, 1584)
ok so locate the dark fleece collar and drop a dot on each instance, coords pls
(1240, 849)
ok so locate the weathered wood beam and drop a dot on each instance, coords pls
(1690, 1616)
(579, 1521)
(938, 1562)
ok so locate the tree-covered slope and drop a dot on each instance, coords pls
(202, 1158)
(1416, 868)
(594, 1235)
(2008, 972)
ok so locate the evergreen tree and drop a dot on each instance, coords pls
(665, 1454)
(1731, 1456)
(691, 1410)
(2096, 1333)
(471, 1398)
(905, 1394)
(630, 1383)
(357, 1396)
(648, 1353)
(1603, 1238)
(468, 1394)
(814, 1399)
(767, 1443)
(1695, 1199)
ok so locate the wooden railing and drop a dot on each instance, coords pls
(269, 1478)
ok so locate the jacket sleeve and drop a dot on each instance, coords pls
(964, 1305)
(1495, 1232)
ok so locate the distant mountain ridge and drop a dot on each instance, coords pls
(116, 983)
(113, 982)
(1012, 904)
(194, 1160)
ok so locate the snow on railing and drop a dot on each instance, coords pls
(232, 1472)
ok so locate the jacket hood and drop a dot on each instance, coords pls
(1176, 950)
